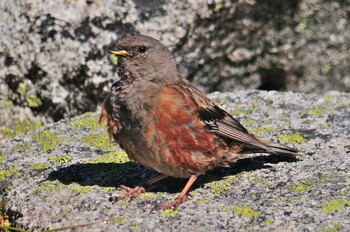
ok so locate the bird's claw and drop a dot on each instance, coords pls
(172, 204)
(131, 193)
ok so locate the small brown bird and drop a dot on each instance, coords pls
(166, 124)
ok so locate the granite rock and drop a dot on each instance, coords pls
(64, 174)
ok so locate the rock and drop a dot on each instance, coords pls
(63, 174)
(53, 62)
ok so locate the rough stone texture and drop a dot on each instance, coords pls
(63, 174)
(53, 63)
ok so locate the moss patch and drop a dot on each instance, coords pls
(49, 140)
(113, 157)
(246, 212)
(9, 172)
(291, 138)
(39, 166)
(100, 141)
(335, 205)
(169, 213)
(88, 121)
(59, 159)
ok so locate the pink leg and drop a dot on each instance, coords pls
(180, 198)
(133, 193)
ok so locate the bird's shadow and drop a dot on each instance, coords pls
(131, 174)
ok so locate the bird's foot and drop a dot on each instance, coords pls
(131, 193)
(172, 204)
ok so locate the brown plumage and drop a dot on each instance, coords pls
(166, 124)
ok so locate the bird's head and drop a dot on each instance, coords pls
(143, 57)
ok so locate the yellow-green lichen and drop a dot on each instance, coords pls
(113, 157)
(313, 111)
(169, 213)
(116, 220)
(326, 68)
(203, 201)
(6, 104)
(259, 180)
(100, 141)
(78, 189)
(218, 7)
(49, 140)
(304, 186)
(23, 147)
(246, 212)
(39, 166)
(326, 107)
(268, 222)
(63, 212)
(148, 195)
(249, 122)
(239, 112)
(291, 138)
(33, 100)
(22, 88)
(3, 156)
(335, 228)
(265, 129)
(218, 187)
(134, 227)
(60, 159)
(9, 172)
(335, 205)
(20, 127)
(87, 121)
(47, 187)
(344, 191)
(107, 189)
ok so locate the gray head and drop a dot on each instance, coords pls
(144, 57)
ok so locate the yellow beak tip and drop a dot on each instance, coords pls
(119, 53)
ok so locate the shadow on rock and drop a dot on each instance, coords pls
(131, 174)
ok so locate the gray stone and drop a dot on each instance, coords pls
(64, 174)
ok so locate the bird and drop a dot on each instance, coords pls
(166, 124)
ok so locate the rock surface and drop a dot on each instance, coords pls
(53, 63)
(63, 174)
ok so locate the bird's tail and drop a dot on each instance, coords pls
(281, 149)
(262, 145)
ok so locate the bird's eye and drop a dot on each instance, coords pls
(142, 49)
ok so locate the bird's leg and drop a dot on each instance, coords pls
(180, 198)
(133, 193)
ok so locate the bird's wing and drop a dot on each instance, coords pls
(220, 122)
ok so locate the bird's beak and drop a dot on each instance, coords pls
(119, 53)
